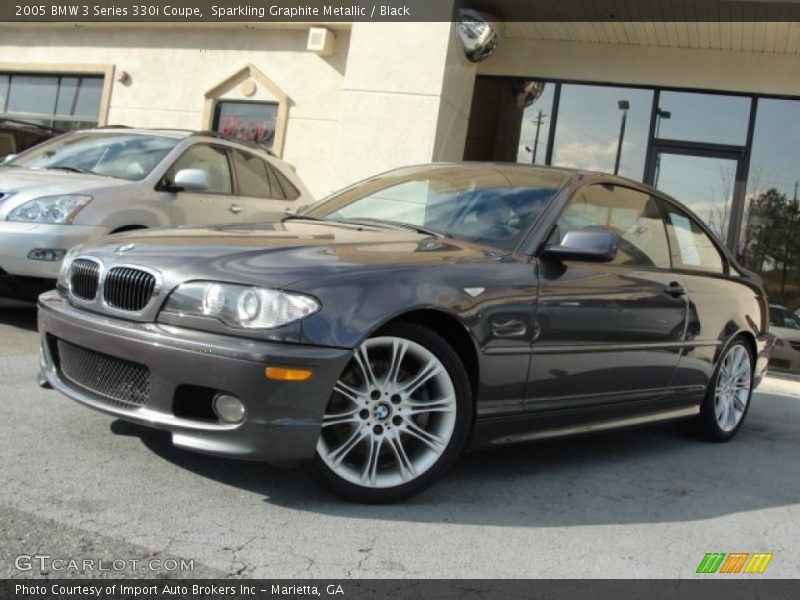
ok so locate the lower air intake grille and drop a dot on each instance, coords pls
(113, 380)
(128, 289)
(84, 275)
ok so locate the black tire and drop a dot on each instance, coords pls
(454, 367)
(706, 423)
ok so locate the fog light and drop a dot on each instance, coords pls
(229, 408)
(46, 254)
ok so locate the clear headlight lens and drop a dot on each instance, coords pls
(240, 305)
(57, 210)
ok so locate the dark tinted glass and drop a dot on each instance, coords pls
(251, 174)
(289, 191)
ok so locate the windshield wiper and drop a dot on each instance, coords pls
(397, 225)
(302, 218)
(81, 171)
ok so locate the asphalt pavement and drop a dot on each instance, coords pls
(78, 485)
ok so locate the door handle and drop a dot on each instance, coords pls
(675, 289)
(235, 209)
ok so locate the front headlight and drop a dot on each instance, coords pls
(58, 210)
(240, 305)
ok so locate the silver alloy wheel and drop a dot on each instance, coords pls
(391, 414)
(733, 388)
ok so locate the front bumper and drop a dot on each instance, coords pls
(17, 239)
(283, 418)
(765, 345)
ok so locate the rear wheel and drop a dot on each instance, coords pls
(728, 398)
(397, 418)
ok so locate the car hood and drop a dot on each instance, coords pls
(18, 184)
(279, 254)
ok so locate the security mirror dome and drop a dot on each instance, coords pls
(477, 35)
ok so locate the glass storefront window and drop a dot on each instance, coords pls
(704, 184)
(589, 124)
(3, 91)
(32, 94)
(61, 102)
(247, 121)
(770, 243)
(708, 118)
(536, 120)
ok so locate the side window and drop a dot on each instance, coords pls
(289, 191)
(7, 144)
(632, 215)
(691, 246)
(211, 159)
(251, 175)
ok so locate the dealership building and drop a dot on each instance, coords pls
(708, 111)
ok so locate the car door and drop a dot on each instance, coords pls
(216, 205)
(607, 332)
(265, 193)
(717, 303)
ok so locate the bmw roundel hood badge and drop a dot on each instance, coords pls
(125, 248)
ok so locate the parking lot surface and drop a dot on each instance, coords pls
(644, 503)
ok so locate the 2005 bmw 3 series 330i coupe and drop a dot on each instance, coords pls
(408, 317)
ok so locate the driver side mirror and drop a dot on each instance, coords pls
(8, 158)
(584, 245)
(190, 180)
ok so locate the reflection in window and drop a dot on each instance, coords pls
(61, 102)
(703, 184)
(711, 118)
(247, 121)
(632, 215)
(770, 243)
(691, 247)
(588, 129)
(537, 97)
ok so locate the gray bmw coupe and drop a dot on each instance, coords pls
(410, 316)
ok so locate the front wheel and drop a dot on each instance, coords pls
(728, 398)
(399, 415)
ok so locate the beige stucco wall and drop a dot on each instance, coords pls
(673, 67)
(405, 98)
(171, 69)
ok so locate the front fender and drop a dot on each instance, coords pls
(356, 304)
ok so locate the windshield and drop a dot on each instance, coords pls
(120, 155)
(780, 317)
(477, 203)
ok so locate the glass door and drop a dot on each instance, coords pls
(707, 182)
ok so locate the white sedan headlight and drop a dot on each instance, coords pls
(240, 305)
(57, 210)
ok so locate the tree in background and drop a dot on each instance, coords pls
(774, 236)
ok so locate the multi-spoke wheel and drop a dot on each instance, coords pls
(728, 397)
(399, 414)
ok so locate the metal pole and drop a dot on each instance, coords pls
(619, 143)
(536, 139)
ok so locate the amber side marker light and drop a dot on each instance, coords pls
(282, 374)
